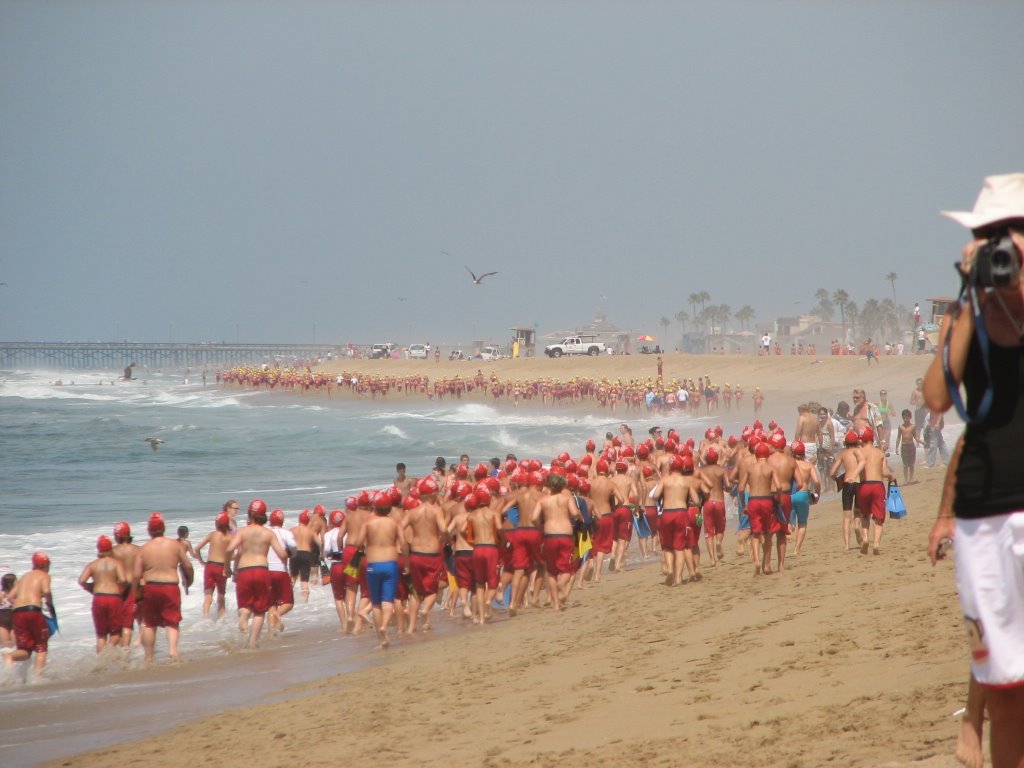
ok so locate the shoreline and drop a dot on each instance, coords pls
(854, 659)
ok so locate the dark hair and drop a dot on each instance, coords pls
(400, 466)
(439, 462)
(905, 413)
(183, 531)
(495, 462)
(8, 581)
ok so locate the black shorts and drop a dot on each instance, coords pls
(300, 563)
(850, 496)
(6, 619)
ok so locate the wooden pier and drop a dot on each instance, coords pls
(118, 355)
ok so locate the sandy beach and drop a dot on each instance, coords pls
(841, 659)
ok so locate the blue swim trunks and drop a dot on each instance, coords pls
(801, 507)
(744, 518)
(382, 578)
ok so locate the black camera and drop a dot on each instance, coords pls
(996, 262)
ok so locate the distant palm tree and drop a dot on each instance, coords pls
(745, 314)
(693, 300)
(682, 318)
(665, 323)
(842, 298)
(891, 277)
(703, 296)
(724, 313)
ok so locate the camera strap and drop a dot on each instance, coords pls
(970, 291)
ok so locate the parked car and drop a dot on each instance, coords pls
(418, 352)
(379, 351)
(491, 353)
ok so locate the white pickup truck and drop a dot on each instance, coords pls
(575, 345)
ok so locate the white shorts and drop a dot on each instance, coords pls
(989, 556)
(811, 452)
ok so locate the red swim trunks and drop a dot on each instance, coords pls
(623, 518)
(252, 589)
(426, 569)
(558, 553)
(281, 592)
(350, 582)
(714, 517)
(337, 580)
(526, 548)
(463, 569)
(505, 555)
(485, 565)
(106, 614)
(692, 532)
(30, 631)
(605, 536)
(652, 519)
(128, 610)
(161, 605)
(761, 511)
(214, 578)
(871, 500)
(672, 531)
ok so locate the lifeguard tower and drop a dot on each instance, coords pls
(524, 342)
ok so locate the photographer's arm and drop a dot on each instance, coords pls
(936, 394)
(945, 526)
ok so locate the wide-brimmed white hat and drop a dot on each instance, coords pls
(1001, 198)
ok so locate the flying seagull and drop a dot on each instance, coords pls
(154, 442)
(478, 280)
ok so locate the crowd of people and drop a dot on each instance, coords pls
(652, 395)
(517, 534)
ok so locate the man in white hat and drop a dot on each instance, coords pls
(986, 517)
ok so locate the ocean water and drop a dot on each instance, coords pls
(74, 460)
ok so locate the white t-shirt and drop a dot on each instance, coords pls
(332, 542)
(288, 542)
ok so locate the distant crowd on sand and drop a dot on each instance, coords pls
(650, 395)
(514, 535)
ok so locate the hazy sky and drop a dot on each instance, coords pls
(263, 171)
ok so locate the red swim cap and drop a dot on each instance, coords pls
(337, 517)
(648, 470)
(470, 501)
(676, 463)
(428, 485)
(156, 523)
(40, 560)
(564, 457)
(222, 521)
(627, 452)
(709, 434)
(395, 496)
(584, 485)
(257, 507)
(535, 465)
(319, 509)
(410, 502)
(590, 446)
(493, 484)
(510, 466)
(351, 503)
(104, 544)
(621, 466)
(616, 441)
(797, 448)
(851, 438)
(602, 466)
(462, 471)
(711, 457)
(643, 451)
(122, 530)
(587, 460)
(867, 435)
(383, 500)
(732, 441)
(571, 467)
(483, 496)
(777, 441)
(687, 461)
(671, 446)
(277, 517)
(363, 500)
(480, 471)
(304, 517)
(573, 482)
(762, 451)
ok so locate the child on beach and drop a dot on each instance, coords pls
(186, 548)
(906, 444)
(6, 611)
